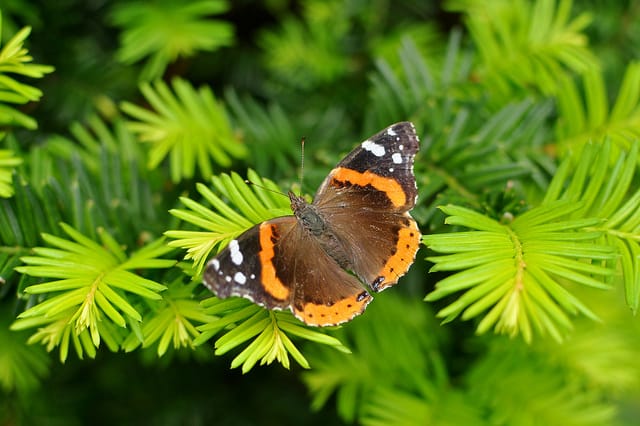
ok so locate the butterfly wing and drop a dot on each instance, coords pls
(366, 201)
(290, 270)
(245, 268)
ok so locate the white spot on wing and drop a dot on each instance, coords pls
(374, 148)
(227, 278)
(215, 263)
(401, 147)
(252, 276)
(239, 278)
(391, 169)
(397, 158)
(236, 254)
(249, 298)
(390, 132)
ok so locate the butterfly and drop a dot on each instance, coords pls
(355, 237)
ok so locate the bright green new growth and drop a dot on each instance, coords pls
(162, 32)
(518, 271)
(171, 321)
(241, 320)
(93, 280)
(14, 59)
(190, 127)
(515, 270)
(607, 190)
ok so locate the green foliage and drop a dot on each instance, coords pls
(65, 181)
(584, 229)
(527, 112)
(258, 202)
(269, 130)
(91, 280)
(190, 126)
(526, 43)
(418, 88)
(163, 31)
(534, 392)
(14, 59)
(392, 354)
(606, 192)
(241, 320)
(170, 321)
(516, 269)
(21, 366)
(470, 151)
(302, 52)
(590, 119)
(465, 162)
(23, 216)
(8, 162)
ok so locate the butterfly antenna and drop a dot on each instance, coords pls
(301, 162)
(257, 185)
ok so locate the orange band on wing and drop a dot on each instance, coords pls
(270, 280)
(339, 312)
(390, 187)
(399, 263)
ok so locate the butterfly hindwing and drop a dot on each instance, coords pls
(324, 293)
(276, 264)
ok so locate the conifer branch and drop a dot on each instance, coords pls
(161, 33)
(94, 283)
(523, 43)
(15, 59)
(586, 116)
(189, 126)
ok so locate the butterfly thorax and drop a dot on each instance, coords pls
(307, 215)
(313, 223)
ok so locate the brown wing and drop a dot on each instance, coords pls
(366, 202)
(290, 270)
(381, 242)
(323, 293)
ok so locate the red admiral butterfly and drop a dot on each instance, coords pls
(358, 222)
